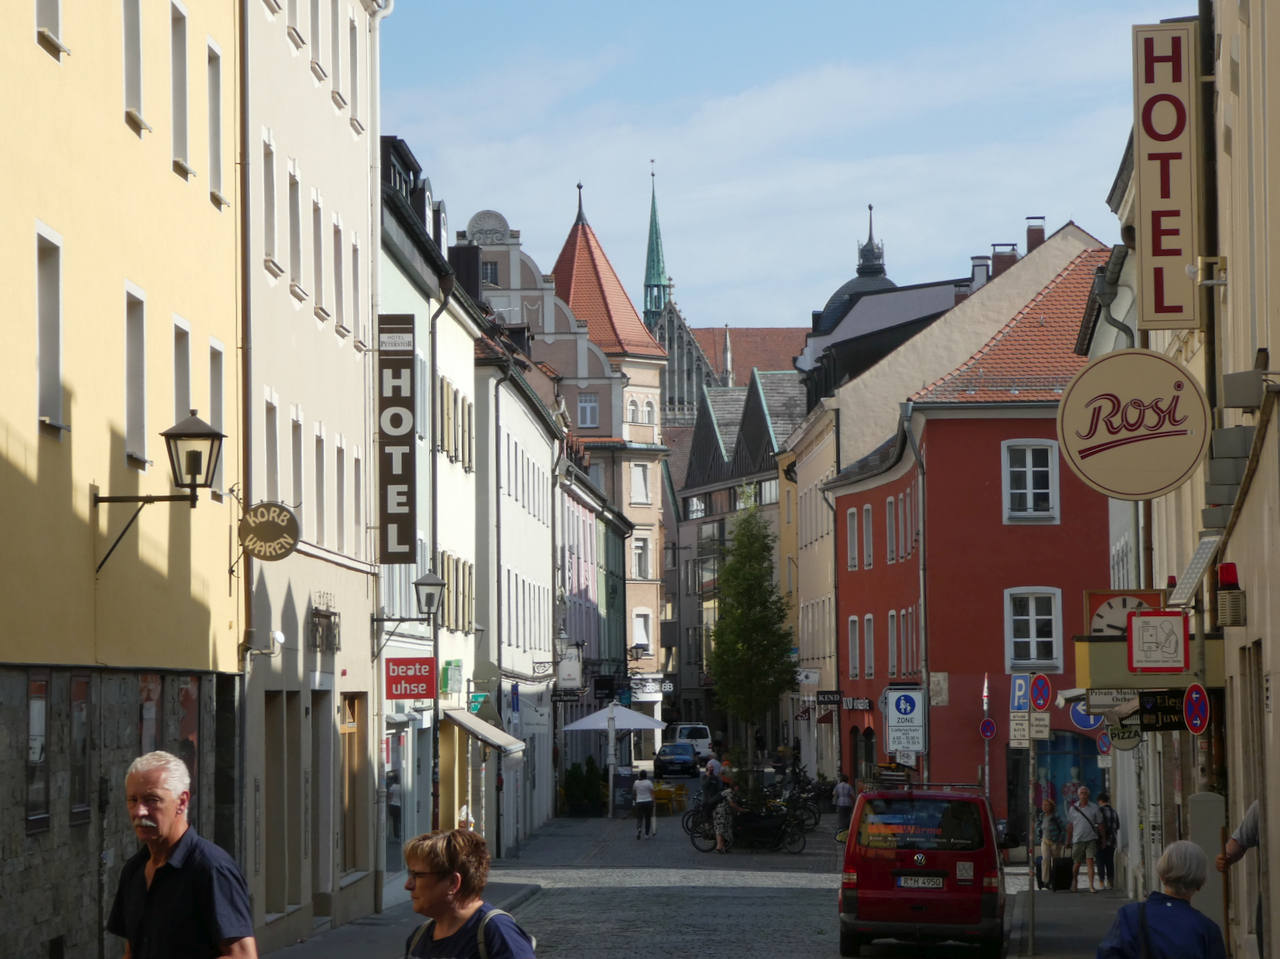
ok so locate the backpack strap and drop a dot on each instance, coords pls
(481, 944)
(422, 931)
(1144, 931)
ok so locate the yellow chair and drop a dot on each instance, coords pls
(662, 796)
(680, 798)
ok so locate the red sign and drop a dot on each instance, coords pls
(1195, 708)
(1041, 691)
(411, 677)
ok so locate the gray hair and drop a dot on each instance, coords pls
(177, 778)
(1183, 867)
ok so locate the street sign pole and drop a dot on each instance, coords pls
(986, 743)
(1031, 841)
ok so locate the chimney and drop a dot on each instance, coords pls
(1003, 256)
(465, 261)
(962, 293)
(1035, 232)
(817, 318)
(420, 200)
(980, 272)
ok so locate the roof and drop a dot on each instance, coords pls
(752, 347)
(726, 403)
(679, 440)
(1032, 358)
(585, 279)
(785, 399)
(880, 459)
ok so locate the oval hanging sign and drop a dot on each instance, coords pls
(269, 531)
(1133, 424)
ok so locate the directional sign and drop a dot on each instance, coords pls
(1039, 725)
(1082, 719)
(1099, 701)
(987, 728)
(904, 721)
(1104, 744)
(1041, 691)
(1195, 708)
(1124, 737)
(1019, 688)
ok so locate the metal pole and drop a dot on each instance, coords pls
(1031, 839)
(611, 755)
(986, 743)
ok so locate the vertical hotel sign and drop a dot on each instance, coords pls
(1166, 170)
(397, 465)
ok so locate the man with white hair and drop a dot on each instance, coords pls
(180, 896)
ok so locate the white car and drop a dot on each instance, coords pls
(696, 735)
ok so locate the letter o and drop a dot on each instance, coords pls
(1180, 115)
(396, 421)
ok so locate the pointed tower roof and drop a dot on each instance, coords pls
(585, 279)
(656, 287)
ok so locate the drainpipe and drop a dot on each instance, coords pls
(906, 410)
(497, 552)
(246, 420)
(446, 289)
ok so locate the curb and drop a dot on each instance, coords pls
(519, 897)
(1015, 925)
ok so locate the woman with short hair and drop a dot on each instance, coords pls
(1052, 836)
(1166, 925)
(447, 872)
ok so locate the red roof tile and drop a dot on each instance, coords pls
(766, 348)
(587, 282)
(1033, 357)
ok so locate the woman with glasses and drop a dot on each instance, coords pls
(447, 872)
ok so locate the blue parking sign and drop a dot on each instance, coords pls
(1020, 693)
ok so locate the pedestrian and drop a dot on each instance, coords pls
(1085, 829)
(1245, 837)
(393, 803)
(722, 817)
(844, 804)
(779, 765)
(1166, 924)
(713, 784)
(1052, 836)
(180, 895)
(448, 870)
(643, 790)
(1111, 839)
(761, 747)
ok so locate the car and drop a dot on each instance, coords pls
(696, 735)
(922, 864)
(675, 759)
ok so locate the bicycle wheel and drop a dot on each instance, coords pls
(703, 837)
(689, 819)
(810, 817)
(793, 839)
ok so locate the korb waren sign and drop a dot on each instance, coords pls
(397, 465)
(269, 531)
(1133, 424)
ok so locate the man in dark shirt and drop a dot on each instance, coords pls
(180, 896)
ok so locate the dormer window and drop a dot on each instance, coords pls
(489, 272)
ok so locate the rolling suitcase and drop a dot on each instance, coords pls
(1060, 873)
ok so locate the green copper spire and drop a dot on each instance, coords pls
(656, 282)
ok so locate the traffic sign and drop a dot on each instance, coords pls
(1195, 708)
(1039, 725)
(1082, 719)
(906, 757)
(1104, 744)
(1041, 691)
(987, 728)
(1019, 687)
(1124, 737)
(1019, 731)
(904, 721)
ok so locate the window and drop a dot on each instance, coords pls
(891, 644)
(633, 411)
(769, 492)
(851, 534)
(357, 309)
(867, 551)
(135, 376)
(351, 729)
(181, 369)
(651, 414)
(788, 507)
(1033, 628)
(37, 750)
(272, 443)
(269, 209)
(905, 641)
(49, 325)
(317, 255)
(335, 50)
(133, 63)
(1030, 475)
(49, 27)
(357, 505)
(853, 647)
(79, 748)
(353, 64)
(596, 474)
(640, 482)
(178, 78)
(889, 527)
(215, 402)
(869, 646)
(320, 491)
(339, 305)
(295, 236)
(293, 29)
(215, 125)
(588, 410)
(640, 558)
(489, 272)
(640, 630)
(316, 45)
(902, 530)
(296, 505)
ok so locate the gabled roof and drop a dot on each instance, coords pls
(679, 440)
(725, 404)
(1032, 358)
(784, 395)
(752, 347)
(585, 279)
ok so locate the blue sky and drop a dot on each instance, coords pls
(773, 127)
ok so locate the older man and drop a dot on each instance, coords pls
(1085, 832)
(180, 896)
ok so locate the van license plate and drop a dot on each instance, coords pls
(919, 882)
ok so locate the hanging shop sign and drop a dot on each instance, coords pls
(397, 465)
(1133, 424)
(269, 532)
(410, 677)
(1166, 175)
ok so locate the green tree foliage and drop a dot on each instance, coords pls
(751, 642)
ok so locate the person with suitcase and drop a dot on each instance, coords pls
(1052, 836)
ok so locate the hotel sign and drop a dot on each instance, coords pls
(1133, 424)
(397, 464)
(1166, 174)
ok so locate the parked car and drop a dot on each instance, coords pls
(922, 864)
(696, 735)
(675, 759)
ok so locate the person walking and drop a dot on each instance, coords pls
(1052, 836)
(643, 790)
(393, 804)
(1245, 837)
(1166, 924)
(180, 896)
(1085, 830)
(448, 870)
(1111, 839)
(844, 805)
(713, 784)
(722, 817)
(761, 748)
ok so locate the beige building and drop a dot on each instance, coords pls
(123, 315)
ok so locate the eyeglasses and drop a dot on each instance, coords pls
(415, 875)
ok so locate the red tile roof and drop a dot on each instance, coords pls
(585, 280)
(767, 348)
(1033, 357)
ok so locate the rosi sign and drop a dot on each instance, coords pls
(397, 465)
(411, 677)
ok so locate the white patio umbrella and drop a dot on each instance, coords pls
(613, 718)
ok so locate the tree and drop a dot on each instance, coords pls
(751, 643)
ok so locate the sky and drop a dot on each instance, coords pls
(773, 126)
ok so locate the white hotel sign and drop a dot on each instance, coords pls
(1166, 171)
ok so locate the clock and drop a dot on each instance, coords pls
(1107, 611)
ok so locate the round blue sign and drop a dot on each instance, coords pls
(905, 705)
(1195, 708)
(1082, 719)
(987, 728)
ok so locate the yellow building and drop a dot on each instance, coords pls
(118, 205)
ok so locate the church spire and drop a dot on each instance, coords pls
(582, 218)
(656, 284)
(871, 253)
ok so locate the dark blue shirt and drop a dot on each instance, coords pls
(196, 900)
(503, 939)
(1177, 931)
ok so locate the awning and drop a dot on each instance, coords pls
(483, 731)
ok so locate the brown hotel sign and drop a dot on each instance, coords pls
(397, 438)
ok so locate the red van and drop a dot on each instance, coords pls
(921, 863)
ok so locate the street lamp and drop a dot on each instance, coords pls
(429, 589)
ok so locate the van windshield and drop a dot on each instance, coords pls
(907, 823)
(694, 732)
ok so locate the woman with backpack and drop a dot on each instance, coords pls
(448, 871)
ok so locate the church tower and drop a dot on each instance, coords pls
(657, 288)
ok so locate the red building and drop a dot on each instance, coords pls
(978, 562)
